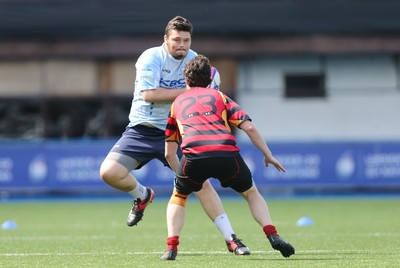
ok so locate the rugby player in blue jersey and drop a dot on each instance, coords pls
(159, 80)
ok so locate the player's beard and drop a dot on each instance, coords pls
(176, 52)
(179, 54)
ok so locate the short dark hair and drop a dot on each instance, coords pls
(198, 72)
(180, 24)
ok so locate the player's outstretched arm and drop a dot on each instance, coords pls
(161, 94)
(251, 130)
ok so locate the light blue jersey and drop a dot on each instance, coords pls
(155, 68)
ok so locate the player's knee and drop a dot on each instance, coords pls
(105, 171)
(178, 199)
(252, 191)
(109, 173)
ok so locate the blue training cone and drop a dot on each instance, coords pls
(304, 221)
(9, 225)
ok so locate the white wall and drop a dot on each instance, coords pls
(361, 73)
(266, 75)
(337, 118)
(363, 101)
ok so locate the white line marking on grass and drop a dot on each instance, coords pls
(64, 237)
(270, 252)
(180, 252)
(108, 237)
(375, 234)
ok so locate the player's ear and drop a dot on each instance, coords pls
(165, 38)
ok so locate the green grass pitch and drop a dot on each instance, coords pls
(358, 232)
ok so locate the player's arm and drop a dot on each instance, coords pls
(148, 75)
(161, 94)
(170, 154)
(256, 138)
(172, 138)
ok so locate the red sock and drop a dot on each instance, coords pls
(269, 230)
(173, 242)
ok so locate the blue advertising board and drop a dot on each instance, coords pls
(74, 166)
(329, 164)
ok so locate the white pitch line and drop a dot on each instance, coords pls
(107, 237)
(39, 238)
(180, 252)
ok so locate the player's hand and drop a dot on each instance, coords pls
(272, 160)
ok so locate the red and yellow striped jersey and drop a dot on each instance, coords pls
(201, 118)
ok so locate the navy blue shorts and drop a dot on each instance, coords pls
(230, 171)
(142, 143)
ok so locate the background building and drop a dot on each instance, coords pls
(311, 72)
